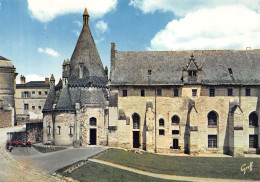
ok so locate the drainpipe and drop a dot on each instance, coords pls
(155, 118)
(53, 127)
(240, 95)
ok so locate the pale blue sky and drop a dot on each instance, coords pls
(37, 35)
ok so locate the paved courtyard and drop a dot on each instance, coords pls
(27, 164)
(53, 161)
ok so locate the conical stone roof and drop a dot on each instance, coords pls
(86, 52)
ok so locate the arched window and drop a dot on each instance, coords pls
(253, 119)
(93, 121)
(161, 122)
(136, 121)
(212, 118)
(175, 119)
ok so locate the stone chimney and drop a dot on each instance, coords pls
(22, 79)
(47, 81)
(86, 17)
(52, 81)
(106, 72)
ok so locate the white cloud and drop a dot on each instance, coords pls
(101, 27)
(31, 77)
(182, 7)
(229, 27)
(48, 51)
(78, 23)
(76, 32)
(47, 10)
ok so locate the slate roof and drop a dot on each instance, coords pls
(85, 51)
(167, 66)
(2, 58)
(33, 84)
(91, 88)
(64, 101)
(48, 106)
(5, 63)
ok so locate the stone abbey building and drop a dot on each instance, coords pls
(199, 101)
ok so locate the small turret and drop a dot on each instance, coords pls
(52, 81)
(66, 69)
(86, 17)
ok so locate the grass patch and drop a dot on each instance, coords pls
(207, 167)
(98, 172)
(47, 149)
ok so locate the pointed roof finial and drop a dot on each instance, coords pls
(191, 56)
(85, 17)
(86, 12)
(52, 78)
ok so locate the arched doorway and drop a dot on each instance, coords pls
(92, 131)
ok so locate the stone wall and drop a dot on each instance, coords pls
(101, 125)
(166, 106)
(5, 118)
(34, 132)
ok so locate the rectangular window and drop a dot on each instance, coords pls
(58, 130)
(192, 73)
(40, 93)
(46, 93)
(212, 141)
(194, 92)
(71, 128)
(161, 132)
(212, 92)
(253, 141)
(26, 106)
(124, 93)
(40, 107)
(230, 92)
(33, 92)
(248, 92)
(159, 92)
(149, 72)
(26, 94)
(142, 93)
(33, 107)
(175, 132)
(176, 92)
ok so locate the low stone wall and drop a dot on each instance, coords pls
(34, 132)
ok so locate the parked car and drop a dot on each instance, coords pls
(15, 143)
(28, 144)
(22, 144)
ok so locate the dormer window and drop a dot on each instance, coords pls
(192, 73)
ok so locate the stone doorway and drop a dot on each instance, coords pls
(136, 139)
(93, 136)
(175, 144)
